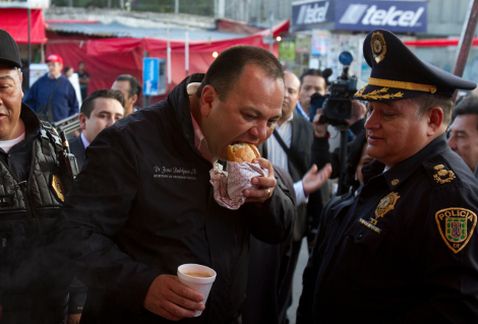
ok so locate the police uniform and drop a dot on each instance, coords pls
(404, 249)
(33, 286)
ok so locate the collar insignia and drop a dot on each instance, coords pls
(386, 204)
(442, 174)
(456, 226)
(395, 182)
(379, 47)
(57, 187)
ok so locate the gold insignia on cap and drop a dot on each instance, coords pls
(442, 174)
(57, 187)
(456, 226)
(395, 182)
(386, 204)
(404, 85)
(379, 94)
(379, 47)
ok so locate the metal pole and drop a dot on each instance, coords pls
(176, 6)
(168, 58)
(29, 36)
(147, 99)
(186, 53)
(466, 38)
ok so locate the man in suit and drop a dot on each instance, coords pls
(100, 110)
(463, 132)
(272, 267)
(131, 90)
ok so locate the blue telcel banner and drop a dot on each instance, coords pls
(361, 15)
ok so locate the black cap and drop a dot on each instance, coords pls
(9, 54)
(398, 74)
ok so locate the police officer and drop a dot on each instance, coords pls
(404, 250)
(33, 177)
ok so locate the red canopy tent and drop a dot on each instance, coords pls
(15, 21)
(105, 59)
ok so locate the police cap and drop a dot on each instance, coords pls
(9, 54)
(398, 74)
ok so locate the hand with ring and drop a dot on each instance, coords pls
(263, 186)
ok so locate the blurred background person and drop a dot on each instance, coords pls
(84, 78)
(52, 96)
(99, 110)
(72, 76)
(463, 132)
(311, 81)
(272, 266)
(131, 90)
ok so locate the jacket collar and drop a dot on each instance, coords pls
(179, 100)
(404, 169)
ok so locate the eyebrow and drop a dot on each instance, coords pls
(6, 77)
(260, 114)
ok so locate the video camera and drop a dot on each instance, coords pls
(337, 104)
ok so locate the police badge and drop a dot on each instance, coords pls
(57, 187)
(456, 226)
(379, 47)
(386, 204)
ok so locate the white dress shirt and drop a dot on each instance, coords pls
(278, 156)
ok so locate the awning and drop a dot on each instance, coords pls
(15, 21)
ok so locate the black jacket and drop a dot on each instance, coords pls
(143, 205)
(78, 150)
(33, 286)
(404, 250)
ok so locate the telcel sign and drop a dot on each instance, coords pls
(307, 14)
(397, 16)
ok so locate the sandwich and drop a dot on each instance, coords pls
(242, 152)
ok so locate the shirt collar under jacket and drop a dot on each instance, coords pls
(84, 140)
(301, 111)
(200, 141)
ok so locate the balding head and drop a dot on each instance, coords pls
(291, 95)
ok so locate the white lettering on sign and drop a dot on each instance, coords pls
(313, 13)
(392, 17)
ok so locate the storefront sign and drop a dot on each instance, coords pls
(308, 14)
(361, 15)
(397, 16)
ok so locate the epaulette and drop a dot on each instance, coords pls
(439, 171)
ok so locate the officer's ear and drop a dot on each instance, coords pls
(435, 116)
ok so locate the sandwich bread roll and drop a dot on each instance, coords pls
(242, 152)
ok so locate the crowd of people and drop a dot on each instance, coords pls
(398, 244)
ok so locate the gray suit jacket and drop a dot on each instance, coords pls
(299, 162)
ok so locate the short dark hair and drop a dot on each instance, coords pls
(227, 67)
(134, 87)
(467, 106)
(426, 101)
(312, 72)
(88, 104)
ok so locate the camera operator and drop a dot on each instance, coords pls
(311, 81)
(321, 154)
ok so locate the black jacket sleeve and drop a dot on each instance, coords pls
(272, 221)
(95, 210)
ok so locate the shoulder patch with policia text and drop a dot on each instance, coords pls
(456, 226)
